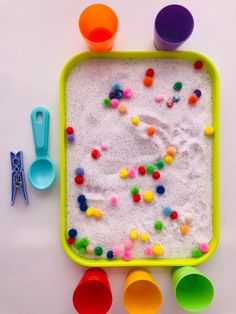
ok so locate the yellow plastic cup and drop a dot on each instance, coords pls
(98, 25)
(142, 295)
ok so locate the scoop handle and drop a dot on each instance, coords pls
(40, 125)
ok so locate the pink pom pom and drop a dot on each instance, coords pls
(204, 247)
(127, 255)
(131, 172)
(129, 244)
(90, 249)
(114, 103)
(169, 103)
(127, 92)
(103, 146)
(113, 200)
(116, 250)
(148, 250)
(159, 98)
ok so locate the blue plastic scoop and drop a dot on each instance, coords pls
(42, 171)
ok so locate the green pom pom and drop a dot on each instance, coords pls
(77, 244)
(98, 250)
(158, 225)
(177, 86)
(150, 168)
(134, 189)
(84, 242)
(160, 164)
(196, 252)
(106, 102)
(82, 250)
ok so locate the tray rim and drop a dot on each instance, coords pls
(185, 55)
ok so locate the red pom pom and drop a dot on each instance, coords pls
(79, 180)
(95, 153)
(69, 130)
(156, 175)
(136, 198)
(141, 170)
(174, 215)
(150, 72)
(71, 240)
(198, 65)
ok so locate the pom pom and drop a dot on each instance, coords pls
(174, 215)
(160, 164)
(192, 100)
(98, 213)
(81, 199)
(198, 64)
(184, 229)
(196, 252)
(160, 189)
(135, 120)
(208, 130)
(158, 225)
(169, 103)
(178, 86)
(134, 189)
(150, 168)
(133, 234)
(136, 198)
(114, 103)
(159, 98)
(127, 255)
(148, 250)
(103, 147)
(90, 211)
(127, 92)
(116, 86)
(150, 72)
(72, 233)
(79, 171)
(167, 211)
(110, 255)
(90, 249)
(116, 251)
(144, 236)
(171, 151)
(157, 249)
(113, 199)
(69, 130)
(148, 196)
(124, 173)
(188, 218)
(131, 172)
(122, 108)
(151, 130)
(148, 81)
(70, 138)
(106, 101)
(79, 180)
(204, 247)
(168, 159)
(128, 244)
(98, 250)
(141, 170)
(95, 153)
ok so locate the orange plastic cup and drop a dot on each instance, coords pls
(142, 294)
(93, 293)
(98, 24)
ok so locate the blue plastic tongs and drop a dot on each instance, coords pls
(18, 177)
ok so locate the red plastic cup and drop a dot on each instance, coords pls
(93, 293)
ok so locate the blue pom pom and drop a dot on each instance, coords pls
(167, 211)
(116, 86)
(160, 189)
(176, 99)
(83, 207)
(110, 255)
(72, 233)
(118, 93)
(79, 171)
(81, 199)
(70, 138)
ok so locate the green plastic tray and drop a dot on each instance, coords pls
(185, 55)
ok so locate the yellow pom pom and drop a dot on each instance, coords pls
(123, 173)
(98, 213)
(184, 229)
(168, 159)
(133, 234)
(157, 249)
(148, 196)
(171, 151)
(90, 211)
(135, 120)
(208, 130)
(144, 236)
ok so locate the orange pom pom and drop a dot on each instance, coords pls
(147, 81)
(151, 130)
(192, 100)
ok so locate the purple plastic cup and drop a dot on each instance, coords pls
(173, 26)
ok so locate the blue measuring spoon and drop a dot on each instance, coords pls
(42, 171)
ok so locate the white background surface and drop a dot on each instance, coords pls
(36, 39)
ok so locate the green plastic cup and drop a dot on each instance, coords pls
(193, 291)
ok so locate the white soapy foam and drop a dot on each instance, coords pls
(188, 180)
